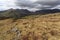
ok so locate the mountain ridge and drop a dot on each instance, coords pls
(18, 13)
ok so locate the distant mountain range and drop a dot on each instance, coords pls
(47, 11)
(18, 13)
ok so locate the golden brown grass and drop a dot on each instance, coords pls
(45, 27)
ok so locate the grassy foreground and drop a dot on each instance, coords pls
(35, 27)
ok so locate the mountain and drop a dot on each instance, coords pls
(19, 13)
(14, 13)
(47, 11)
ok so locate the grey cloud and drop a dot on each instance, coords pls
(39, 4)
(25, 3)
(48, 2)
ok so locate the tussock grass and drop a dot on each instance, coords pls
(34, 27)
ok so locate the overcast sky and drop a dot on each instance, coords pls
(29, 4)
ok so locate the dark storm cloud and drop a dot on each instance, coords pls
(25, 3)
(39, 4)
(50, 3)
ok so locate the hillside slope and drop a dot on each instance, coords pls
(14, 13)
(34, 27)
